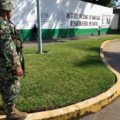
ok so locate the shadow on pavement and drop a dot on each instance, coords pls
(113, 58)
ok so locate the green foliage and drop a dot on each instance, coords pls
(113, 4)
(103, 2)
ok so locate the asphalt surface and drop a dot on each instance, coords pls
(112, 111)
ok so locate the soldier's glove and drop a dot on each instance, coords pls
(19, 71)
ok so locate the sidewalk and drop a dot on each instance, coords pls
(35, 44)
(112, 111)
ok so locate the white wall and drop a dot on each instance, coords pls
(63, 14)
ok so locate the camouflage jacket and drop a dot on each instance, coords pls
(8, 54)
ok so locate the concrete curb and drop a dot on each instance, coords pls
(76, 110)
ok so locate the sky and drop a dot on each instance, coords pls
(118, 2)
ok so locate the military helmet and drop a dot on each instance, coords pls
(6, 5)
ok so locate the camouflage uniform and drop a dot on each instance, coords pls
(9, 60)
(10, 66)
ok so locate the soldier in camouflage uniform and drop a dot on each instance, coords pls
(10, 66)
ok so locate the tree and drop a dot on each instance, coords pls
(103, 2)
(113, 3)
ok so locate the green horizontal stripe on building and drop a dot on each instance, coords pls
(47, 34)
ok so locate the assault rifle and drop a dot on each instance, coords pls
(22, 61)
(19, 48)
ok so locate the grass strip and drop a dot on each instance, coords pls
(71, 72)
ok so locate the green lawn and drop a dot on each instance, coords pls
(70, 72)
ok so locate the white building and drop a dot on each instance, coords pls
(63, 18)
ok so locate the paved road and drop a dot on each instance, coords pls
(112, 111)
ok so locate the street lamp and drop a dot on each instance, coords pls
(39, 26)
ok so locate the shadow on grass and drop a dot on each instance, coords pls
(113, 58)
(85, 47)
(90, 61)
(94, 49)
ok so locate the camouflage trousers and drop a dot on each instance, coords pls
(9, 88)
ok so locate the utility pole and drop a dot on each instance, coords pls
(39, 26)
